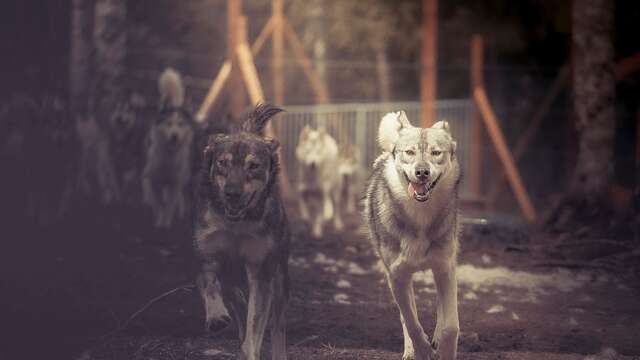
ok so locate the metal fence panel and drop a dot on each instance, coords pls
(357, 124)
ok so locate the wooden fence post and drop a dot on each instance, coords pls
(428, 69)
(477, 81)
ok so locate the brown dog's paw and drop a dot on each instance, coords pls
(217, 325)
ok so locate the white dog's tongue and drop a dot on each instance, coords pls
(420, 189)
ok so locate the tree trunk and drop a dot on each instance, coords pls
(110, 39)
(382, 70)
(594, 95)
(81, 52)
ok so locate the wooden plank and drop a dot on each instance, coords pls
(525, 140)
(223, 74)
(250, 74)
(267, 30)
(214, 92)
(504, 155)
(237, 98)
(278, 51)
(318, 87)
(428, 70)
(623, 69)
(477, 80)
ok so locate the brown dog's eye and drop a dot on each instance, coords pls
(222, 163)
(410, 152)
(253, 166)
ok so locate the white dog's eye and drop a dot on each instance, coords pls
(410, 152)
(436, 152)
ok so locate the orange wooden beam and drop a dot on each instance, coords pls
(225, 70)
(504, 155)
(428, 70)
(477, 80)
(318, 87)
(278, 51)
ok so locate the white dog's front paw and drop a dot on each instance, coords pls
(316, 230)
(338, 224)
(409, 355)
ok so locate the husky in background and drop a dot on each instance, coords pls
(127, 127)
(411, 214)
(167, 171)
(242, 236)
(350, 182)
(317, 155)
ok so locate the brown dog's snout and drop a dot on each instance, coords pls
(233, 194)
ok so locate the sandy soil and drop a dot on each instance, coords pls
(73, 301)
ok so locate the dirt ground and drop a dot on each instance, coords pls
(69, 293)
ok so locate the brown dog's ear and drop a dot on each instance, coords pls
(273, 145)
(257, 119)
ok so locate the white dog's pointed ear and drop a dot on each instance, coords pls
(389, 130)
(404, 120)
(443, 124)
(305, 132)
(454, 147)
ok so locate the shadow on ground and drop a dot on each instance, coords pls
(69, 291)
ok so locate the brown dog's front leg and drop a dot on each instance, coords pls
(217, 316)
(279, 319)
(260, 298)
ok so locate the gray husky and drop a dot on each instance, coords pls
(411, 214)
(242, 236)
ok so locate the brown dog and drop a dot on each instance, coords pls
(243, 237)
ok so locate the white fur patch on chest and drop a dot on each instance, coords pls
(250, 239)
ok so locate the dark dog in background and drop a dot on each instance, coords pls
(167, 172)
(242, 236)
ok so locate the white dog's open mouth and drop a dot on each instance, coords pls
(421, 191)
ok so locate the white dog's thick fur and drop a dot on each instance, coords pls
(411, 214)
(318, 180)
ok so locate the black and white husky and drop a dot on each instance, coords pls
(167, 171)
(411, 214)
(318, 179)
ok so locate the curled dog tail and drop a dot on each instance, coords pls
(171, 89)
(257, 119)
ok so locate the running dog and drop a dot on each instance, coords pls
(242, 236)
(411, 214)
(167, 171)
(318, 179)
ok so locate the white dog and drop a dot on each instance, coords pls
(411, 212)
(318, 178)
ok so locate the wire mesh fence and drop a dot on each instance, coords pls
(357, 124)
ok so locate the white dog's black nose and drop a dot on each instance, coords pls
(422, 173)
